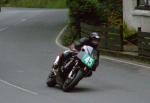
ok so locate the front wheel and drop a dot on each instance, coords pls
(71, 83)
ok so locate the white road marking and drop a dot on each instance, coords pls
(23, 20)
(126, 62)
(58, 37)
(20, 71)
(2, 29)
(20, 88)
(103, 57)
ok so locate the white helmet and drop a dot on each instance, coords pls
(95, 38)
(94, 35)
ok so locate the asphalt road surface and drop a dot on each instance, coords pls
(27, 50)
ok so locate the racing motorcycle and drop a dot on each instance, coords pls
(77, 67)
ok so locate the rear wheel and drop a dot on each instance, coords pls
(51, 80)
(71, 83)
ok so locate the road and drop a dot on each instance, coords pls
(28, 49)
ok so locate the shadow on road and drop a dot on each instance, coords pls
(83, 89)
(78, 89)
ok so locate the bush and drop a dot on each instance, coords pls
(88, 11)
(113, 12)
(3, 2)
(127, 31)
(91, 12)
(96, 12)
(67, 38)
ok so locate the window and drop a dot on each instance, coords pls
(143, 4)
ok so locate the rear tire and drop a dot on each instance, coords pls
(51, 81)
(71, 83)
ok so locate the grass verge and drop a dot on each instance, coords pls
(38, 3)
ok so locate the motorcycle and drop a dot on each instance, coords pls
(77, 67)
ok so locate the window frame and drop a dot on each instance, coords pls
(143, 7)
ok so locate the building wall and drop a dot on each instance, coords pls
(136, 18)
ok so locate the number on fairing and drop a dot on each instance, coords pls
(87, 60)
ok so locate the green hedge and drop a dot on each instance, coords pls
(88, 11)
(67, 37)
(113, 12)
(96, 12)
(38, 3)
(128, 31)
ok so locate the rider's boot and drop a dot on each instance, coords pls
(56, 64)
(58, 61)
(51, 81)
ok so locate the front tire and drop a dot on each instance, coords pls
(71, 83)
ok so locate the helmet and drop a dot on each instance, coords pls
(94, 35)
(95, 38)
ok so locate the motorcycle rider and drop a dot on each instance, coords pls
(92, 40)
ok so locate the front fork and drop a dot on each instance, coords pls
(86, 72)
(74, 69)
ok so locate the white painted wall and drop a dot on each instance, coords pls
(136, 18)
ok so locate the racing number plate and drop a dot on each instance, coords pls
(88, 60)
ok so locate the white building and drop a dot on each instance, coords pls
(136, 14)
